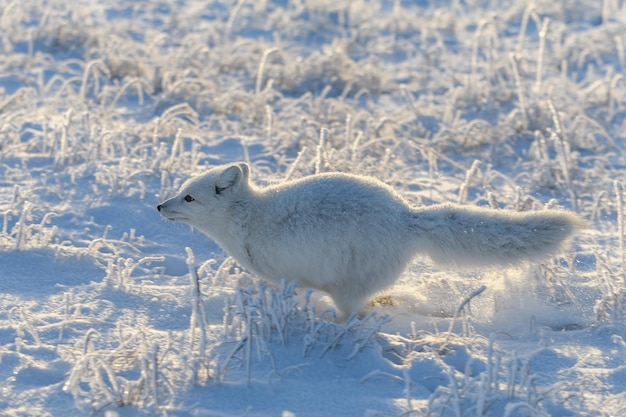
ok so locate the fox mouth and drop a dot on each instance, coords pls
(175, 219)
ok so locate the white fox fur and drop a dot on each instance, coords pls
(352, 236)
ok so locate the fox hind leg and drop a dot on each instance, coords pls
(347, 303)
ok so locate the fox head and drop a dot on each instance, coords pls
(206, 201)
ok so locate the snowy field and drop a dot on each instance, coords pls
(107, 106)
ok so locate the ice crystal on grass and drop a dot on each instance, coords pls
(133, 373)
(467, 375)
(260, 317)
(26, 232)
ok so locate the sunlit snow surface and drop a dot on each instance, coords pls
(106, 107)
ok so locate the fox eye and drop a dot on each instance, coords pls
(189, 198)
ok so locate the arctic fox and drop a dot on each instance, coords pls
(352, 236)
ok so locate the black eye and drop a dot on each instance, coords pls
(189, 198)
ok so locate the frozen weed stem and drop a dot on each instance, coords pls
(199, 357)
(259, 317)
(133, 373)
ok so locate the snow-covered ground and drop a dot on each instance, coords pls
(107, 106)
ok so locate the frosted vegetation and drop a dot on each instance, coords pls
(107, 106)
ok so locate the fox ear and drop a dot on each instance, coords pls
(232, 177)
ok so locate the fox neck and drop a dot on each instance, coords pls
(232, 232)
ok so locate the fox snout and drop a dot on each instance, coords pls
(167, 213)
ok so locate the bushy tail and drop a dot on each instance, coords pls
(472, 236)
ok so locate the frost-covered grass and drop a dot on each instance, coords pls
(107, 106)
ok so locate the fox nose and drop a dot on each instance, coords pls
(159, 207)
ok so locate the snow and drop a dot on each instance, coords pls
(106, 107)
